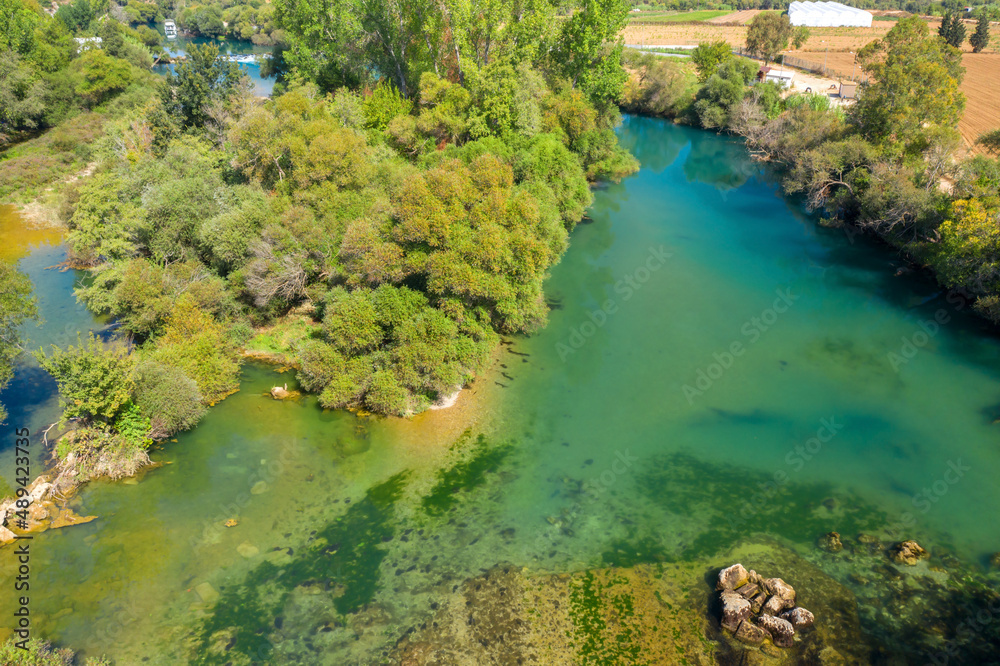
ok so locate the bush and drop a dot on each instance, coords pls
(95, 378)
(168, 398)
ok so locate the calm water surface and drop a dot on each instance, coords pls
(715, 365)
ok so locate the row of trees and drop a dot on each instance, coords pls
(888, 164)
(952, 31)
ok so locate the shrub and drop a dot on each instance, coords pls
(167, 397)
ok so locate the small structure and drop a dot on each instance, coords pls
(828, 15)
(87, 43)
(170, 29)
(848, 89)
(783, 77)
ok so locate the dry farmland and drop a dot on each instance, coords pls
(834, 46)
(736, 18)
(981, 87)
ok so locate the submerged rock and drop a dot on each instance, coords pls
(748, 632)
(781, 631)
(732, 577)
(798, 617)
(831, 543)
(735, 609)
(908, 552)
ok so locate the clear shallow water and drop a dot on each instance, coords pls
(823, 420)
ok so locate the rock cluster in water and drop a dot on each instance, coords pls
(755, 608)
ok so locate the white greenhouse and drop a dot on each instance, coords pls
(828, 15)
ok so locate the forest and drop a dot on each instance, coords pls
(386, 229)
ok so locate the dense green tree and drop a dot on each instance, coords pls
(980, 39)
(768, 35)
(22, 95)
(95, 378)
(102, 76)
(952, 30)
(201, 80)
(723, 91)
(914, 82)
(589, 49)
(18, 21)
(17, 305)
(77, 16)
(708, 56)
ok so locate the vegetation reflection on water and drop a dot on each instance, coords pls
(716, 365)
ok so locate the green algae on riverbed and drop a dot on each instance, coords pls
(466, 474)
(344, 561)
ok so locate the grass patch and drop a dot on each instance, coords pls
(678, 17)
(283, 337)
(27, 168)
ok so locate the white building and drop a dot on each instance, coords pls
(783, 77)
(828, 15)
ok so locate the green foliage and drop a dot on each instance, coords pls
(661, 86)
(18, 21)
(102, 76)
(384, 104)
(589, 49)
(952, 30)
(17, 305)
(39, 653)
(94, 378)
(800, 35)
(722, 91)
(76, 16)
(167, 398)
(708, 56)
(133, 426)
(768, 35)
(201, 80)
(194, 342)
(914, 82)
(990, 141)
(980, 39)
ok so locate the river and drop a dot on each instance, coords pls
(717, 367)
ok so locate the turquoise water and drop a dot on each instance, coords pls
(263, 86)
(716, 366)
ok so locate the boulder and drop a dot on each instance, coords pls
(6, 536)
(732, 577)
(908, 552)
(831, 542)
(780, 589)
(748, 632)
(755, 577)
(775, 604)
(207, 592)
(798, 617)
(757, 603)
(735, 609)
(747, 591)
(781, 631)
